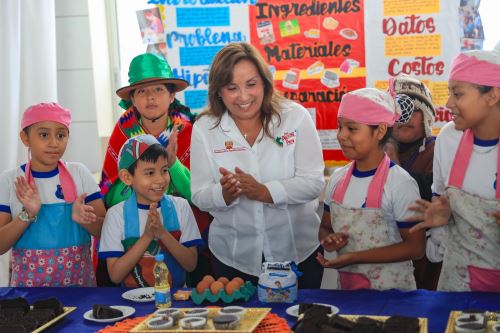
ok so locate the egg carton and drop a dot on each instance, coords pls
(244, 293)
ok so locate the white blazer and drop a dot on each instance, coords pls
(293, 173)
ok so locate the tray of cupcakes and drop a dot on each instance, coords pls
(227, 319)
(222, 289)
(473, 321)
(17, 315)
(319, 318)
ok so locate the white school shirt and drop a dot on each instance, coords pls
(292, 172)
(480, 177)
(400, 191)
(48, 185)
(113, 230)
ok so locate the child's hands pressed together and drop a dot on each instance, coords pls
(433, 214)
(82, 213)
(342, 260)
(334, 241)
(154, 223)
(172, 145)
(28, 195)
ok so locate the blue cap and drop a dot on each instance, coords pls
(160, 257)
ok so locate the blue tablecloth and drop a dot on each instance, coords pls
(436, 306)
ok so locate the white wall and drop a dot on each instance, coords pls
(75, 75)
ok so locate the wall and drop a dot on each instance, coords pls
(75, 75)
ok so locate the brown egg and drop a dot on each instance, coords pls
(208, 278)
(239, 280)
(216, 286)
(231, 287)
(223, 279)
(202, 285)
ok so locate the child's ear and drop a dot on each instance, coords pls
(494, 96)
(125, 177)
(381, 131)
(24, 138)
(172, 97)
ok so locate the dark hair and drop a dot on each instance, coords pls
(150, 155)
(483, 89)
(386, 137)
(221, 74)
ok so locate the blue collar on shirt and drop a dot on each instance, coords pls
(42, 174)
(146, 207)
(362, 174)
(485, 143)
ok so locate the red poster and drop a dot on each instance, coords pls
(316, 50)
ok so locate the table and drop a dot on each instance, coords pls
(436, 306)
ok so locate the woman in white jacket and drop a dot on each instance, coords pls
(257, 167)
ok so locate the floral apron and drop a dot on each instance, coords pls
(54, 251)
(142, 273)
(472, 256)
(368, 229)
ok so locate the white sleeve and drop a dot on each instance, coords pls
(89, 184)
(435, 244)
(190, 235)
(205, 193)
(110, 244)
(308, 181)
(403, 196)
(5, 190)
(438, 174)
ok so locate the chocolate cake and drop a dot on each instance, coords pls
(50, 303)
(100, 311)
(15, 303)
(303, 307)
(14, 328)
(401, 324)
(367, 325)
(341, 323)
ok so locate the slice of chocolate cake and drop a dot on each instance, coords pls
(341, 323)
(303, 307)
(100, 311)
(50, 303)
(15, 303)
(13, 329)
(367, 325)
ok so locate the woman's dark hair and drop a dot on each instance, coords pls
(483, 89)
(386, 137)
(150, 155)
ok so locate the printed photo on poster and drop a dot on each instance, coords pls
(151, 26)
(471, 27)
(159, 49)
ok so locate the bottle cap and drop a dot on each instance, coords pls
(160, 257)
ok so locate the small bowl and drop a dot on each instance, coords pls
(226, 322)
(160, 323)
(201, 312)
(470, 318)
(233, 310)
(496, 328)
(193, 323)
(174, 313)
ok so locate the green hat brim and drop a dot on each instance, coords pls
(124, 92)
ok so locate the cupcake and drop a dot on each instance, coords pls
(226, 322)
(160, 323)
(193, 323)
(196, 313)
(234, 310)
(175, 314)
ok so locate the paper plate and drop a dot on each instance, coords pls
(294, 309)
(127, 312)
(141, 295)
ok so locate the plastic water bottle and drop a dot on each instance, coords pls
(162, 287)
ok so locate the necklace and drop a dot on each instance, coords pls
(245, 135)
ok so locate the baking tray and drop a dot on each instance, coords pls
(67, 310)
(450, 327)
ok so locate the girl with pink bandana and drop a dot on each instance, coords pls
(46, 216)
(466, 175)
(367, 201)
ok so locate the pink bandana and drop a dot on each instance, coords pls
(467, 67)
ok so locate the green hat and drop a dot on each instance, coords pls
(147, 69)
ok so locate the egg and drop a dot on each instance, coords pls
(216, 286)
(223, 279)
(208, 278)
(239, 280)
(202, 285)
(231, 287)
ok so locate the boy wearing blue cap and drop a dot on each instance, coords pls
(148, 222)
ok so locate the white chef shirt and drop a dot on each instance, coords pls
(292, 172)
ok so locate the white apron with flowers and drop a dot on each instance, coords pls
(368, 229)
(472, 256)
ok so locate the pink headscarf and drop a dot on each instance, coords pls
(478, 67)
(51, 112)
(369, 106)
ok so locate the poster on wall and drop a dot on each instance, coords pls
(316, 51)
(415, 38)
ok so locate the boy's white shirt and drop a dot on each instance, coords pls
(113, 228)
(400, 191)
